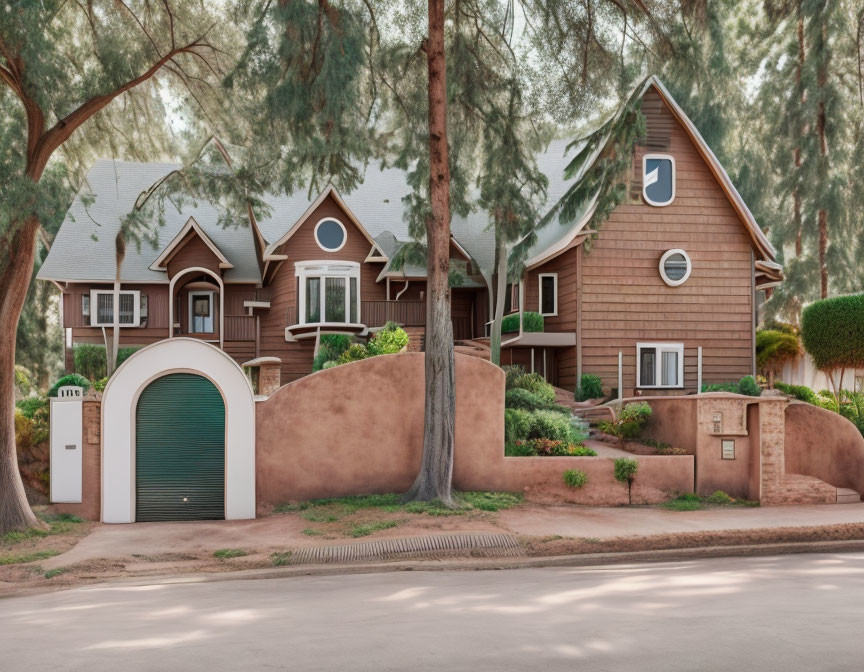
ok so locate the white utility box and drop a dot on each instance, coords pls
(66, 445)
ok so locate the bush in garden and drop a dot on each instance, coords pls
(629, 422)
(590, 387)
(71, 379)
(330, 348)
(748, 385)
(720, 387)
(523, 399)
(625, 472)
(517, 424)
(547, 448)
(800, 392)
(574, 478)
(530, 322)
(31, 406)
(549, 425)
(99, 385)
(519, 449)
(125, 353)
(354, 353)
(773, 349)
(534, 383)
(90, 360)
(832, 331)
(390, 339)
(23, 381)
(512, 373)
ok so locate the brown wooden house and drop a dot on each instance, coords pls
(667, 292)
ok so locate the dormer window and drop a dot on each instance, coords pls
(658, 179)
(330, 234)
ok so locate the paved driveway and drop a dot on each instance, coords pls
(790, 613)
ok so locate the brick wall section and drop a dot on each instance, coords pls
(269, 378)
(778, 487)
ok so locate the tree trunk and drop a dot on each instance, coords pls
(436, 470)
(500, 292)
(823, 251)
(15, 512)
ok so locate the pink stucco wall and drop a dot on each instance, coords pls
(358, 428)
(823, 444)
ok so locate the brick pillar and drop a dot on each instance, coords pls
(269, 377)
(772, 434)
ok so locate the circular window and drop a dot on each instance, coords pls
(330, 235)
(675, 267)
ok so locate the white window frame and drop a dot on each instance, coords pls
(658, 364)
(645, 158)
(191, 299)
(344, 234)
(94, 307)
(669, 281)
(554, 277)
(323, 270)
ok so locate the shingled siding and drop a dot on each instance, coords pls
(624, 299)
(282, 290)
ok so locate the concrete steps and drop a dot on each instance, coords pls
(848, 496)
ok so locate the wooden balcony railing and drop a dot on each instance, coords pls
(239, 327)
(406, 313)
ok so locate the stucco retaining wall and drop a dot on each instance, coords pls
(823, 444)
(358, 428)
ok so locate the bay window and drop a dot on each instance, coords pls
(105, 303)
(328, 292)
(659, 365)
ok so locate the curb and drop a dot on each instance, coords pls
(504, 563)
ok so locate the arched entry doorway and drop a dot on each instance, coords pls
(180, 450)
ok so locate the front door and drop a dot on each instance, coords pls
(180, 450)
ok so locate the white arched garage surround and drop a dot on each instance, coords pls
(119, 402)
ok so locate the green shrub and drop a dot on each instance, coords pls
(90, 360)
(832, 331)
(512, 373)
(330, 365)
(125, 353)
(748, 385)
(517, 424)
(354, 353)
(590, 387)
(582, 451)
(574, 478)
(71, 379)
(391, 339)
(31, 406)
(773, 349)
(629, 422)
(625, 472)
(719, 497)
(519, 449)
(23, 381)
(530, 322)
(330, 348)
(800, 392)
(99, 385)
(534, 383)
(547, 448)
(550, 425)
(521, 398)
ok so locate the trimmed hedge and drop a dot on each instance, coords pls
(530, 322)
(800, 392)
(747, 385)
(832, 331)
(71, 379)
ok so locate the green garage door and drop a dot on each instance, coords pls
(180, 450)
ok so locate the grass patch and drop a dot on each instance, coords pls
(281, 559)
(309, 532)
(369, 528)
(334, 509)
(692, 502)
(58, 523)
(24, 558)
(51, 573)
(225, 553)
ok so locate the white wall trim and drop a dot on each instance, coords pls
(660, 347)
(199, 269)
(344, 234)
(669, 281)
(119, 403)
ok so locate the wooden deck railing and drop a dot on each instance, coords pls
(406, 313)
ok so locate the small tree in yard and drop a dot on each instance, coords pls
(832, 331)
(773, 349)
(625, 472)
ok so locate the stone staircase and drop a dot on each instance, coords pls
(848, 496)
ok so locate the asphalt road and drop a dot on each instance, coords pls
(796, 612)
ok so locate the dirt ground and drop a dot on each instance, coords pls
(80, 553)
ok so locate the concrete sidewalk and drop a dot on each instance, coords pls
(286, 531)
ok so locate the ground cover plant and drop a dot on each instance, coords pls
(690, 501)
(574, 478)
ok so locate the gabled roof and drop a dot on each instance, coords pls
(161, 263)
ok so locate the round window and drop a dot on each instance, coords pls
(330, 235)
(675, 267)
